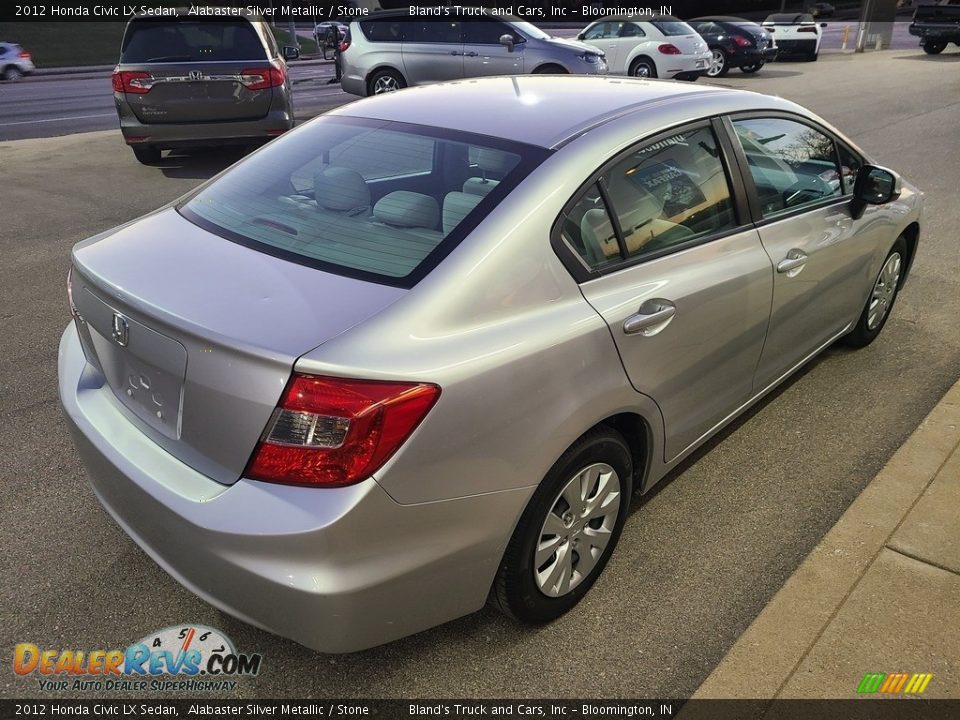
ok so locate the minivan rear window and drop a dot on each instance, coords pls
(163, 40)
(379, 200)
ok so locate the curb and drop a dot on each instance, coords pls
(770, 651)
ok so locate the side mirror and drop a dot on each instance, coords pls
(290, 52)
(507, 41)
(874, 186)
(823, 24)
(581, 36)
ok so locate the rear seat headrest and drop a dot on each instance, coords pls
(456, 206)
(479, 186)
(492, 161)
(406, 209)
(339, 188)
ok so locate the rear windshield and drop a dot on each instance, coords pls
(789, 18)
(158, 40)
(367, 198)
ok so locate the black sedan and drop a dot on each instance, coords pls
(734, 42)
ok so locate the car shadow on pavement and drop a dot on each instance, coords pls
(944, 57)
(200, 163)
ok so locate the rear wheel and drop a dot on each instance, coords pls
(643, 67)
(750, 69)
(719, 65)
(550, 70)
(12, 73)
(933, 48)
(568, 530)
(385, 81)
(882, 297)
(147, 154)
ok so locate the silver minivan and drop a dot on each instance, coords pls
(388, 51)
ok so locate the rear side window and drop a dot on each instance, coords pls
(792, 164)
(665, 194)
(158, 41)
(673, 27)
(367, 198)
(382, 30)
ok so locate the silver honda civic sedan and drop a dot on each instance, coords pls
(394, 364)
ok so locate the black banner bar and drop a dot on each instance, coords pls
(858, 709)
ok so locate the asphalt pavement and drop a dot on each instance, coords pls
(50, 105)
(698, 560)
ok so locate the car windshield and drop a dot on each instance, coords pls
(158, 40)
(672, 27)
(374, 199)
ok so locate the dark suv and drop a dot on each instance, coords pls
(184, 81)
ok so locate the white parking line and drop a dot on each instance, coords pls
(73, 117)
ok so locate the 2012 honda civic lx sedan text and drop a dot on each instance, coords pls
(392, 364)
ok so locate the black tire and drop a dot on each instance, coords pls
(515, 590)
(12, 73)
(384, 81)
(865, 331)
(550, 70)
(751, 69)
(638, 64)
(147, 154)
(933, 48)
(719, 64)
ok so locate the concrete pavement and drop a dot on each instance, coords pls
(879, 594)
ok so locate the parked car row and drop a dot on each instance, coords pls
(388, 52)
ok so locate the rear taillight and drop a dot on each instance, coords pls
(807, 30)
(131, 81)
(261, 78)
(330, 432)
(24, 54)
(344, 44)
(741, 41)
(669, 49)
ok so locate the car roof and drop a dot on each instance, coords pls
(542, 110)
(724, 18)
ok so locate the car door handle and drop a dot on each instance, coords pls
(470, 54)
(653, 316)
(454, 52)
(793, 263)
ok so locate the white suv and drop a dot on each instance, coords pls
(15, 62)
(658, 47)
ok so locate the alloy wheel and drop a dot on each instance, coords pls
(717, 62)
(577, 530)
(884, 291)
(385, 84)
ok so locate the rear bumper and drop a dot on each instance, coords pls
(941, 33)
(752, 56)
(173, 135)
(796, 47)
(338, 570)
(687, 66)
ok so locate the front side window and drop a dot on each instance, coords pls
(486, 32)
(366, 198)
(670, 192)
(631, 30)
(792, 164)
(602, 31)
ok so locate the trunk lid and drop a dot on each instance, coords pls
(192, 93)
(196, 335)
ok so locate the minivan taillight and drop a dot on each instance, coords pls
(344, 44)
(669, 49)
(261, 78)
(330, 432)
(131, 81)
